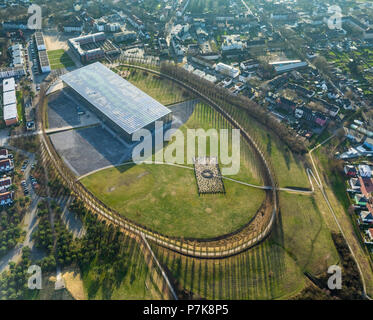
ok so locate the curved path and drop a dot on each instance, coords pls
(254, 232)
(292, 190)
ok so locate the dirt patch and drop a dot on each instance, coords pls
(74, 283)
(208, 210)
(55, 42)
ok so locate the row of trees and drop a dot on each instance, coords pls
(224, 98)
(43, 235)
(13, 284)
(10, 230)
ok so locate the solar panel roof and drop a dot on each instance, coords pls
(9, 97)
(123, 103)
(10, 111)
(43, 58)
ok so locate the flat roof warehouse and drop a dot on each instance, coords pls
(124, 104)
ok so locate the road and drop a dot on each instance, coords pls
(319, 182)
(29, 223)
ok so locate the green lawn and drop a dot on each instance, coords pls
(272, 270)
(289, 167)
(304, 233)
(263, 272)
(162, 90)
(59, 59)
(165, 199)
(19, 95)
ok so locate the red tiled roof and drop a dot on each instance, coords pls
(370, 208)
(366, 186)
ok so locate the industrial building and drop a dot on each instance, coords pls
(92, 47)
(44, 61)
(289, 65)
(9, 102)
(39, 40)
(14, 72)
(123, 108)
(42, 52)
(227, 70)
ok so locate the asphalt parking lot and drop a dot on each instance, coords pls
(63, 112)
(88, 149)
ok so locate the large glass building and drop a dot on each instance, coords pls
(121, 105)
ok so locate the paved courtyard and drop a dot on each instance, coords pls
(88, 149)
(63, 112)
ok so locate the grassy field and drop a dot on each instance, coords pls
(59, 59)
(272, 270)
(162, 90)
(304, 233)
(264, 272)
(165, 199)
(300, 242)
(335, 192)
(19, 95)
(289, 168)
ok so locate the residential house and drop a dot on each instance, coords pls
(369, 233)
(366, 216)
(365, 171)
(3, 154)
(6, 165)
(355, 184)
(366, 185)
(286, 104)
(5, 184)
(360, 200)
(6, 198)
(350, 170)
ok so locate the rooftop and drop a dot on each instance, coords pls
(123, 103)
(8, 85)
(39, 38)
(10, 111)
(9, 97)
(43, 58)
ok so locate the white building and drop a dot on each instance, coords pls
(39, 39)
(9, 85)
(227, 70)
(232, 42)
(284, 66)
(365, 171)
(10, 114)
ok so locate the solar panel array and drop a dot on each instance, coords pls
(39, 38)
(123, 103)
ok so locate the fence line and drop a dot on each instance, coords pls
(257, 230)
